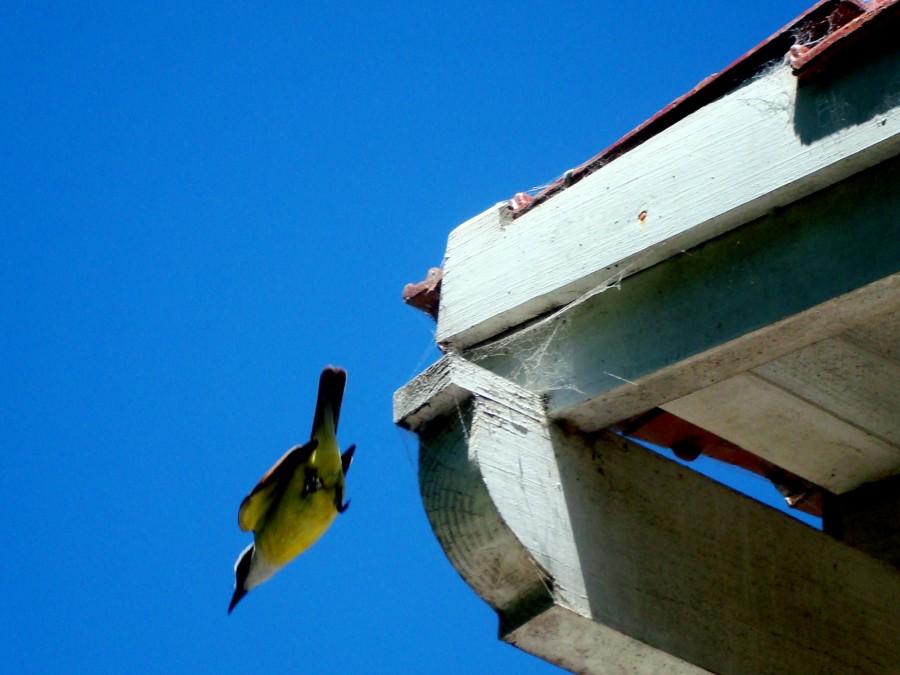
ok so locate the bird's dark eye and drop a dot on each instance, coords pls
(243, 566)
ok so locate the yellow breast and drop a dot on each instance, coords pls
(296, 521)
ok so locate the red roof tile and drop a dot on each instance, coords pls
(810, 42)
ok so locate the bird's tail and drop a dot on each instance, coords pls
(331, 394)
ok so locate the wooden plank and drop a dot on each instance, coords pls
(855, 384)
(580, 645)
(790, 432)
(621, 397)
(868, 519)
(767, 289)
(758, 148)
(881, 335)
(636, 562)
(446, 385)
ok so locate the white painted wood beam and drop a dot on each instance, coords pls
(851, 381)
(868, 519)
(829, 412)
(760, 147)
(789, 431)
(602, 557)
(826, 264)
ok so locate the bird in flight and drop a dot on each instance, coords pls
(299, 497)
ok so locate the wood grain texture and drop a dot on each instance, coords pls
(598, 554)
(790, 432)
(797, 276)
(761, 147)
(856, 384)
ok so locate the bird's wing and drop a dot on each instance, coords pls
(347, 458)
(271, 485)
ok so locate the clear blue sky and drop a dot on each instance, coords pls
(203, 204)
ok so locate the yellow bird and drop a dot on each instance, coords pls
(299, 497)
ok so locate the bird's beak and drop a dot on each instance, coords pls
(236, 598)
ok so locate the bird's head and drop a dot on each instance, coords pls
(250, 571)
